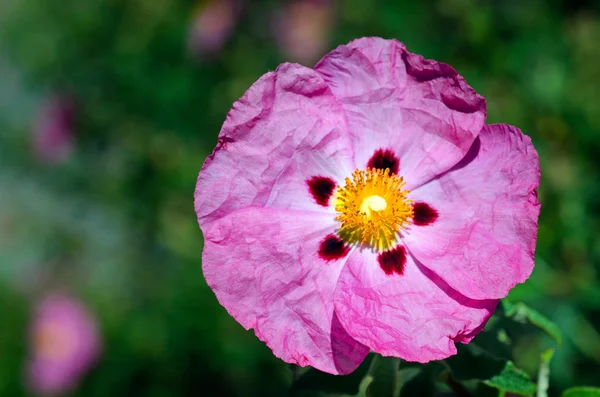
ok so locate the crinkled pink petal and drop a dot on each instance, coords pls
(421, 109)
(287, 128)
(264, 268)
(75, 345)
(414, 315)
(483, 241)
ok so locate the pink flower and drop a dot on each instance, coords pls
(64, 345)
(302, 29)
(213, 23)
(54, 130)
(363, 205)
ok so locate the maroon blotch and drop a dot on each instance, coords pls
(393, 261)
(321, 189)
(332, 248)
(384, 158)
(423, 214)
(221, 144)
(223, 141)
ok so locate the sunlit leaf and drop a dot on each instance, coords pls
(513, 380)
(582, 391)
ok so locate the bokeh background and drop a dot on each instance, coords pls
(108, 109)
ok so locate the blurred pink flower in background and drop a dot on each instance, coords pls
(64, 344)
(302, 29)
(54, 130)
(213, 23)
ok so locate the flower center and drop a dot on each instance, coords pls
(373, 208)
(373, 203)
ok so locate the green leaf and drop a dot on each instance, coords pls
(582, 391)
(544, 373)
(474, 363)
(314, 380)
(385, 377)
(513, 380)
(524, 314)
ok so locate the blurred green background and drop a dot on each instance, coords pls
(102, 205)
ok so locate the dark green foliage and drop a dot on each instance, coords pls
(313, 380)
(524, 314)
(473, 363)
(385, 374)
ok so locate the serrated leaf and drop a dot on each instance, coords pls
(385, 377)
(544, 373)
(315, 380)
(524, 314)
(513, 380)
(582, 391)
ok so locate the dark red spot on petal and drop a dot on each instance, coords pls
(221, 144)
(384, 158)
(423, 214)
(321, 189)
(393, 261)
(223, 141)
(332, 247)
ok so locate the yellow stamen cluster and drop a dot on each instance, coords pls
(373, 208)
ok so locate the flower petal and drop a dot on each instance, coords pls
(414, 315)
(283, 131)
(265, 269)
(482, 242)
(421, 109)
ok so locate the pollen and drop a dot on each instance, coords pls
(373, 208)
